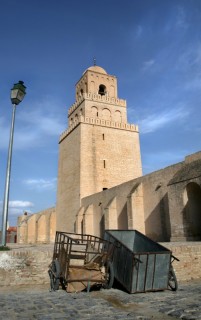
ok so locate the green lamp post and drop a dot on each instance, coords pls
(17, 95)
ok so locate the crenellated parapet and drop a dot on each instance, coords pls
(96, 97)
(98, 122)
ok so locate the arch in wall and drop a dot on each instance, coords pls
(92, 87)
(22, 231)
(106, 114)
(79, 220)
(192, 211)
(102, 90)
(52, 226)
(94, 112)
(88, 220)
(31, 229)
(42, 229)
(122, 220)
(117, 116)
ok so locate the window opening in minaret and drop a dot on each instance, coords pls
(102, 90)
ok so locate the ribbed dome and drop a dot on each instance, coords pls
(96, 69)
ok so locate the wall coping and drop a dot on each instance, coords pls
(99, 122)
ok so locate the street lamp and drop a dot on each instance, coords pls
(17, 95)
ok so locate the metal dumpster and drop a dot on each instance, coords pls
(140, 264)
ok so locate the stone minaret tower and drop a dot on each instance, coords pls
(99, 150)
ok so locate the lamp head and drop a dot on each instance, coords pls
(18, 92)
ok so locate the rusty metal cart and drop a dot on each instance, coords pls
(140, 264)
(81, 261)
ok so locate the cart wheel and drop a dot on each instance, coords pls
(54, 274)
(172, 281)
(109, 275)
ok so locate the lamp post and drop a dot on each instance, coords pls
(17, 95)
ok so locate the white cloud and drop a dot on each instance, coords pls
(148, 64)
(20, 204)
(35, 126)
(15, 212)
(41, 184)
(17, 207)
(156, 121)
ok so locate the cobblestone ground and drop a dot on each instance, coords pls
(39, 303)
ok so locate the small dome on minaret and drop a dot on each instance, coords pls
(96, 69)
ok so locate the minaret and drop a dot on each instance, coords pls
(99, 150)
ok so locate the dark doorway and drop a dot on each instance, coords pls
(192, 212)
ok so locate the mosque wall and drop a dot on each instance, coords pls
(164, 205)
(37, 228)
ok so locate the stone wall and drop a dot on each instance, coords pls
(156, 203)
(189, 254)
(37, 228)
(28, 265)
(93, 158)
(108, 209)
(164, 205)
(25, 265)
(68, 190)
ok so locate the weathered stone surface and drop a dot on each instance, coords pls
(36, 302)
(25, 264)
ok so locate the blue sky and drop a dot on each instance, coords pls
(154, 49)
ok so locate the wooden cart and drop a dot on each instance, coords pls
(80, 262)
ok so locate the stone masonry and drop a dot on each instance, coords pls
(100, 182)
(99, 149)
(28, 264)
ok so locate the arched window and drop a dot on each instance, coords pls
(92, 87)
(117, 116)
(94, 112)
(102, 90)
(106, 114)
